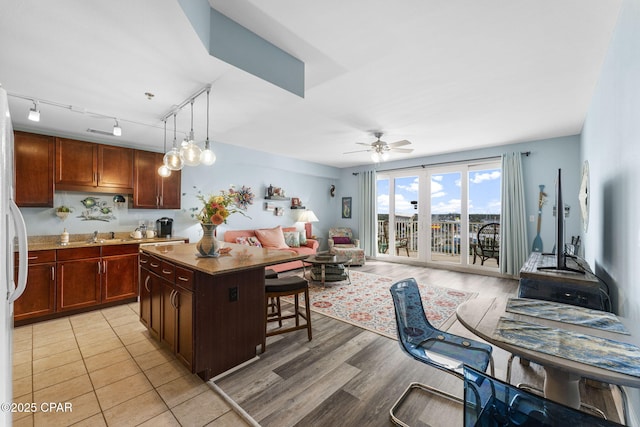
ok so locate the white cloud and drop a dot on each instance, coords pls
(479, 177)
(411, 188)
(449, 206)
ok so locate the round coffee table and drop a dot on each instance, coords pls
(322, 261)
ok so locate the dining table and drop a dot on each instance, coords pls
(568, 341)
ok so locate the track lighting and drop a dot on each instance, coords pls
(117, 130)
(173, 159)
(191, 152)
(207, 156)
(163, 170)
(34, 113)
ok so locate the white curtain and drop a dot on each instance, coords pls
(367, 212)
(513, 229)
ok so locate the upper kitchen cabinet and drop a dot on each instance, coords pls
(85, 166)
(150, 190)
(33, 165)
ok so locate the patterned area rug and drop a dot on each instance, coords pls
(367, 303)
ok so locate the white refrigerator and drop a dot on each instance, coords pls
(13, 234)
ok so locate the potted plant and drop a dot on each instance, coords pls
(63, 212)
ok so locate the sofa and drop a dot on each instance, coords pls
(266, 238)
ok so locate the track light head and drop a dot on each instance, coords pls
(34, 113)
(117, 130)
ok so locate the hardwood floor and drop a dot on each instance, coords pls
(347, 376)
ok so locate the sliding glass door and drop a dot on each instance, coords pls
(433, 214)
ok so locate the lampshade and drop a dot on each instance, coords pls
(164, 171)
(308, 216)
(207, 156)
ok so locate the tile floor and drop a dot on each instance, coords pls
(112, 372)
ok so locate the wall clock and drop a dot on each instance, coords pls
(584, 196)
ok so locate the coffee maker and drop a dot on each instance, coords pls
(164, 226)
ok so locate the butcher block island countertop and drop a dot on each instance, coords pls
(208, 311)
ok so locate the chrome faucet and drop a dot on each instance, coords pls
(94, 239)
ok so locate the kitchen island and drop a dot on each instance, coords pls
(208, 311)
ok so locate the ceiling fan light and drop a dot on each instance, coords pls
(173, 160)
(164, 171)
(375, 156)
(384, 156)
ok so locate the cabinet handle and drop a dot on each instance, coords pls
(32, 257)
(173, 294)
(53, 273)
(146, 283)
(161, 200)
(143, 261)
(99, 268)
(166, 271)
(104, 267)
(184, 279)
(155, 265)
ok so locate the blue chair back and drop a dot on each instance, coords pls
(427, 344)
(489, 402)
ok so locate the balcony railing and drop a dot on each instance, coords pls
(445, 236)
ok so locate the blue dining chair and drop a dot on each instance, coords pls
(425, 343)
(489, 402)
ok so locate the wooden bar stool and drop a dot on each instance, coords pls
(282, 287)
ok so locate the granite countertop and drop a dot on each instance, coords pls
(240, 257)
(41, 243)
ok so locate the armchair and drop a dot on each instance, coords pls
(342, 242)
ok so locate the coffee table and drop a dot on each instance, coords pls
(322, 261)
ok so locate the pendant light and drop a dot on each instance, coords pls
(207, 156)
(191, 152)
(173, 159)
(163, 170)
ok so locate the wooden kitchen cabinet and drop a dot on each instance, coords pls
(86, 166)
(150, 190)
(34, 157)
(119, 273)
(38, 298)
(78, 278)
(144, 290)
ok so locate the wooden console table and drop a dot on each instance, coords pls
(584, 290)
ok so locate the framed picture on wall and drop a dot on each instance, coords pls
(346, 207)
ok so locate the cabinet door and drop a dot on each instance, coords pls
(145, 297)
(115, 167)
(145, 179)
(155, 308)
(119, 277)
(170, 196)
(168, 329)
(184, 342)
(33, 165)
(78, 283)
(38, 298)
(76, 164)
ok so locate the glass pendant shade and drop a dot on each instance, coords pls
(164, 171)
(207, 156)
(191, 154)
(375, 157)
(173, 160)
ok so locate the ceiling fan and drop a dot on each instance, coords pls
(380, 149)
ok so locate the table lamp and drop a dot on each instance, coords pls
(308, 217)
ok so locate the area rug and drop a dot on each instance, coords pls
(366, 302)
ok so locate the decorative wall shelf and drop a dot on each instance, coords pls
(277, 198)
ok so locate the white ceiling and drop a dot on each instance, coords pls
(446, 75)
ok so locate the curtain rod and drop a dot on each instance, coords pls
(524, 153)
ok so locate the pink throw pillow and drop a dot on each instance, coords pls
(341, 240)
(271, 237)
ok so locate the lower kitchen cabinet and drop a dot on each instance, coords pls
(38, 298)
(78, 278)
(119, 273)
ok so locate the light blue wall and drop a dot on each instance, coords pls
(237, 166)
(610, 142)
(541, 167)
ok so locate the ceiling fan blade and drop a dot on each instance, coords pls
(357, 151)
(402, 150)
(362, 143)
(399, 143)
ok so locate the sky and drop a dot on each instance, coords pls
(484, 193)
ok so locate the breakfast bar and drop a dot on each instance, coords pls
(208, 311)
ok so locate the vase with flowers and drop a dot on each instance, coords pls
(216, 210)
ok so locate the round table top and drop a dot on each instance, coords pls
(336, 259)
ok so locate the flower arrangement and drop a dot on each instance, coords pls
(217, 208)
